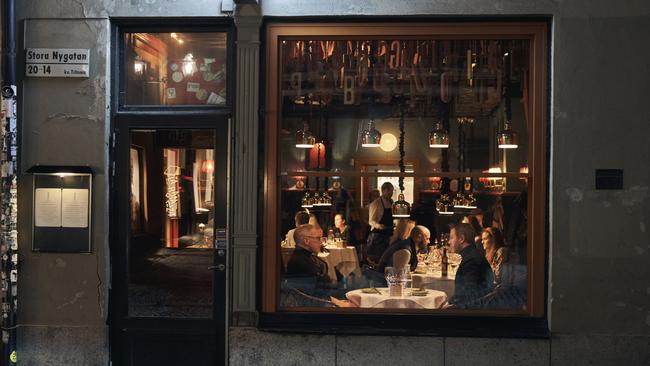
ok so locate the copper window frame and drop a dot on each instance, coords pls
(535, 31)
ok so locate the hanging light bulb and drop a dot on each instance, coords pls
(439, 138)
(507, 139)
(370, 137)
(304, 138)
(401, 208)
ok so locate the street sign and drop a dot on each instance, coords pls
(57, 62)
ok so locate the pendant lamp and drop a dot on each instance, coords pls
(304, 138)
(401, 208)
(507, 139)
(439, 138)
(370, 137)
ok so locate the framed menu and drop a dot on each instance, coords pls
(61, 220)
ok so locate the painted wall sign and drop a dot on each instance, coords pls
(57, 62)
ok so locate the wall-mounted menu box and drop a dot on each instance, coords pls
(61, 215)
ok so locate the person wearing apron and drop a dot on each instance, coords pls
(381, 223)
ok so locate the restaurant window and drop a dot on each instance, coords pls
(451, 119)
(175, 68)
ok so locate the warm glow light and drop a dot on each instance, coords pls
(304, 146)
(508, 146)
(440, 146)
(388, 142)
(174, 35)
(189, 66)
(207, 166)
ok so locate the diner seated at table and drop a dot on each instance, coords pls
(402, 230)
(342, 230)
(507, 291)
(301, 218)
(304, 260)
(474, 277)
(407, 249)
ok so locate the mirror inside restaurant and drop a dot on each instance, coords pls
(403, 170)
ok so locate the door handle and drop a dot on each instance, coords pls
(220, 267)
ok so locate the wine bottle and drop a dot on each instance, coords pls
(444, 261)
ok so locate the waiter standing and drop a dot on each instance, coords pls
(380, 218)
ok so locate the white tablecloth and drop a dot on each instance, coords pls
(433, 300)
(344, 259)
(434, 281)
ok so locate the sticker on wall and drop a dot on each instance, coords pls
(174, 67)
(202, 94)
(177, 76)
(215, 98)
(171, 93)
(193, 87)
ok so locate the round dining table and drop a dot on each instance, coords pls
(432, 299)
(434, 281)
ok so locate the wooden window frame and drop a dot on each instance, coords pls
(536, 32)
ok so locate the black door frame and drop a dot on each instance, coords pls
(126, 118)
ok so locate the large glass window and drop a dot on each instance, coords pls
(404, 170)
(175, 68)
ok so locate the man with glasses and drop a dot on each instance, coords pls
(304, 261)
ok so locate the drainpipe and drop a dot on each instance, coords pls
(8, 186)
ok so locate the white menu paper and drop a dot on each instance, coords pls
(47, 207)
(74, 208)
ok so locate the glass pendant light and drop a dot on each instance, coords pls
(304, 138)
(439, 138)
(370, 137)
(507, 139)
(307, 201)
(401, 208)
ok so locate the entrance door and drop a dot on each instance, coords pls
(169, 243)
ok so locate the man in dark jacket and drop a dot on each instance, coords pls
(474, 276)
(304, 261)
(418, 240)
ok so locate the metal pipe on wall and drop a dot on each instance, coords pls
(8, 186)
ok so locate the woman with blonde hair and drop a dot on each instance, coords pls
(402, 230)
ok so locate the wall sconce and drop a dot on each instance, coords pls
(370, 137)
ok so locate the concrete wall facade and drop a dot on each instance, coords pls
(599, 277)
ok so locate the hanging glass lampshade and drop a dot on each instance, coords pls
(304, 138)
(401, 208)
(443, 205)
(307, 201)
(370, 137)
(326, 199)
(507, 139)
(439, 138)
(317, 199)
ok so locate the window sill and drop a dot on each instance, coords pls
(405, 325)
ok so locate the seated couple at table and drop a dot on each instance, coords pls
(474, 277)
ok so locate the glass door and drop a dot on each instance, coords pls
(170, 262)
